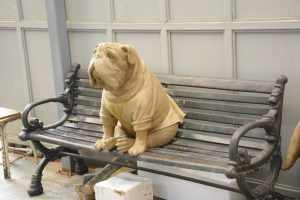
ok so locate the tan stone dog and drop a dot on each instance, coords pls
(293, 152)
(136, 112)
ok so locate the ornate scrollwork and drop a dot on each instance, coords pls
(241, 164)
(66, 99)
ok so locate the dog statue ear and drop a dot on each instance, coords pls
(131, 53)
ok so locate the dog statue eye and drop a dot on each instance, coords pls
(110, 55)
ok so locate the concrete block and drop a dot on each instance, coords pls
(176, 189)
(124, 186)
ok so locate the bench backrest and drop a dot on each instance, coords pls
(214, 107)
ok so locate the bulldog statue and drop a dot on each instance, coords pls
(293, 152)
(136, 112)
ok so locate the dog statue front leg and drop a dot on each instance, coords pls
(140, 143)
(108, 141)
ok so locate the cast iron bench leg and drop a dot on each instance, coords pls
(35, 187)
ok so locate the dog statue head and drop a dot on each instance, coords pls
(111, 65)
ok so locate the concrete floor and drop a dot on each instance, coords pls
(56, 186)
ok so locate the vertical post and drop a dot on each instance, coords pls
(5, 159)
(59, 44)
(60, 52)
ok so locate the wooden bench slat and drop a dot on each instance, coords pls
(234, 108)
(231, 97)
(88, 102)
(97, 134)
(85, 111)
(216, 128)
(215, 148)
(60, 140)
(84, 126)
(216, 117)
(83, 83)
(179, 161)
(85, 119)
(72, 135)
(218, 83)
(188, 154)
(202, 136)
(88, 92)
(197, 150)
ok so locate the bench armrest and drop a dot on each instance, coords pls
(239, 161)
(66, 99)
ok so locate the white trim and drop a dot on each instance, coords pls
(229, 54)
(165, 50)
(228, 10)
(234, 58)
(173, 25)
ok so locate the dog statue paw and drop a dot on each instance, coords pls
(133, 100)
(106, 144)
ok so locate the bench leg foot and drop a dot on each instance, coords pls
(35, 187)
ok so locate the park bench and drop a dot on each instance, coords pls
(231, 127)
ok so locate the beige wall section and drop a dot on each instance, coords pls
(252, 39)
(13, 83)
(33, 10)
(82, 44)
(25, 60)
(41, 73)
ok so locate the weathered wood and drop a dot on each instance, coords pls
(180, 161)
(82, 118)
(60, 140)
(83, 83)
(97, 134)
(234, 108)
(216, 117)
(202, 136)
(188, 154)
(84, 126)
(210, 95)
(218, 128)
(84, 111)
(72, 135)
(217, 83)
(88, 102)
(91, 92)
(196, 150)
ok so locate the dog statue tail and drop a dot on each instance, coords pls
(293, 150)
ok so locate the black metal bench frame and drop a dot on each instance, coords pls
(240, 164)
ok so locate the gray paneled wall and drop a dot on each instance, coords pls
(25, 60)
(249, 39)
